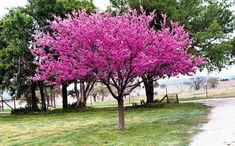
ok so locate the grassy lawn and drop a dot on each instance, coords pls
(208, 97)
(174, 125)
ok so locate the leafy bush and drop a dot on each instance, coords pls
(25, 110)
(144, 104)
(73, 105)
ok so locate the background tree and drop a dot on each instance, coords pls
(163, 86)
(212, 82)
(16, 29)
(16, 61)
(100, 90)
(156, 84)
(197, 83)
(209, 23)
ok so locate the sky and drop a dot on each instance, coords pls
(4, 4)
(102, 5)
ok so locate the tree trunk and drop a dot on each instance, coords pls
(149, 90)
(94, 97)
(64, 96)
(42, 96)
(51, 96)
(82, 95)
(76, 93)
(33, 94)
(121, 124)
(47, 97)
(54, 102)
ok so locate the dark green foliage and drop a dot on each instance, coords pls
(16, 30)
(43, 10)
(15, 59)
(26, 110)
(233, 46)
(72, 105)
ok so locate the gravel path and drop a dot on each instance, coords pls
(220, 129)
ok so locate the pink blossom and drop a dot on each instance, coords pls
(115, 50)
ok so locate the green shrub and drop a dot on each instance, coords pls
(25, 110)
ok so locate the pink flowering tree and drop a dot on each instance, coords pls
(115, 50)
(174, 58)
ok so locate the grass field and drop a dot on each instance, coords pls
(174, 124)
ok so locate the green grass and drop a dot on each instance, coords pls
(174, 125)
(208, 97)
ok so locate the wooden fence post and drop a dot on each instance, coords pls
(54, 99)
(167, 99)
(14, 103)
(2, 102)
(177, 98)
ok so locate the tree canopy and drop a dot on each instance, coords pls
(16, 30)
(116, 50)
(210, 24)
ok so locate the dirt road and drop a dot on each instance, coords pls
(220, 129)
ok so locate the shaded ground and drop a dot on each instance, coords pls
(220, 129)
